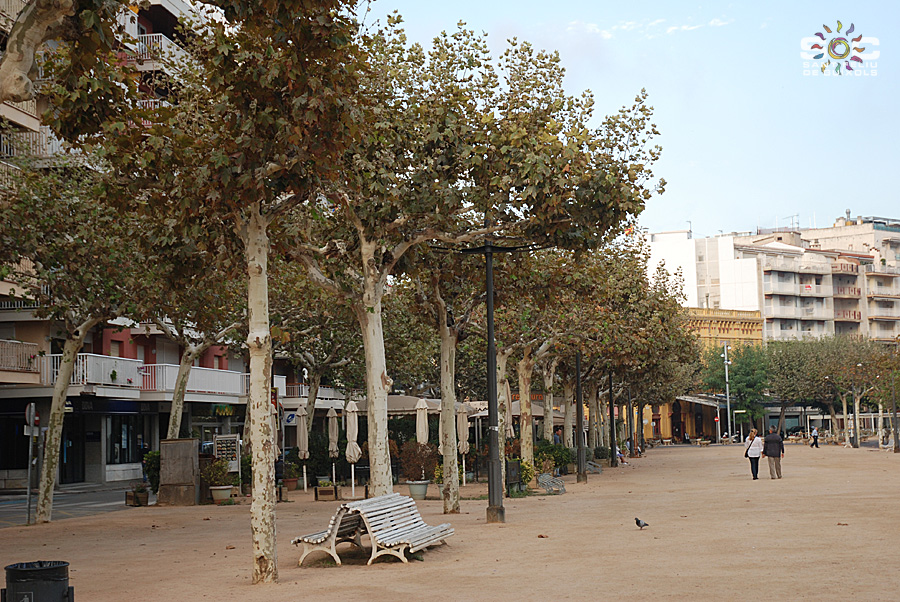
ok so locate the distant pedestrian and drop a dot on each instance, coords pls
(556, 438)
(815, 436)
(752, 450)
(773, 450)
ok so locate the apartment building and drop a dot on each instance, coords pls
(806, 283)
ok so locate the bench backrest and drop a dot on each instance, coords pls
(387, 513)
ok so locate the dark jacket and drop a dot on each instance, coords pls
(773, 445)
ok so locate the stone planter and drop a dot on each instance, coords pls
(417, 489)
(290, 484)
(327, 494)
(220, 493)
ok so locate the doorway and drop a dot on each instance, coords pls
(71, 458)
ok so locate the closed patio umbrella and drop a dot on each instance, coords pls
(353, 454)
(422, 421)
(302, 439)
(333, 449)
(462, 436)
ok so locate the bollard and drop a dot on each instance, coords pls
(41, 581)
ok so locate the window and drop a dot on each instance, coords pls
(122, 432)
(115, 349)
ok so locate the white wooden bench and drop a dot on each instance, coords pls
(550, 483)
(394, 526)
(344, 526)
(593, 467)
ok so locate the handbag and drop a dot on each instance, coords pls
(747, 450)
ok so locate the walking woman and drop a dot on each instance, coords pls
(752, 452)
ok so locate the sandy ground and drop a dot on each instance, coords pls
(827, 531)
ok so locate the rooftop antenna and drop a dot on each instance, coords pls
(690, 229)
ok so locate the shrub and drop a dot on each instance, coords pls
(559, 455)
(526, 471)
(246, 468)
(439, 472)
(151, 467)
(601, 453)
(216, 473)
(291, 470)
(418, 460)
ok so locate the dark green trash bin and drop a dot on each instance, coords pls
(41, 581)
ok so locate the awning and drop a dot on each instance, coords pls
(704, 401)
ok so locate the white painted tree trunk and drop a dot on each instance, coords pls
(315, 378)
(55, 421)
(569, 423)
(595, 418)
(450, 490)
(549, 375)
(856, 397)
(260, 414)
(880, 424)
(191, 353)
(526, 423)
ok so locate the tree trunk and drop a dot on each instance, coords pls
(613, 458)
(780, 420)
(55, 421)
(594, 417)
(450, 491)
(856, 397)
(260, 414)
(845, 432)
(834, 421)
(526, 424)
(191, 353)
(315, 378)
(881, 440)
(569, 423)
(502, 403)
(378, 383)
(549, 375)
(39, 21)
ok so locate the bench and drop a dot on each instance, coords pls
(667, 442)
(394, 525)
(343, 526)
(703, 443)
(593, 467)
(550, 483)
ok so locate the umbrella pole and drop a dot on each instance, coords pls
(333, 477)
(464, 471)
(353, 480)
(304, 476)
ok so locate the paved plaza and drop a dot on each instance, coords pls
(826, 531)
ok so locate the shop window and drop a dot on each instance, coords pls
(123, 434)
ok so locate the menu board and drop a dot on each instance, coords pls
(228, 447)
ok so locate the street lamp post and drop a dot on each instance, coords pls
(727, 390)
(742, 426)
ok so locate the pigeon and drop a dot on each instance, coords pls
(640, 523)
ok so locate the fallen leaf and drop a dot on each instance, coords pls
(542, 536)
(843, 525)
(229, 547)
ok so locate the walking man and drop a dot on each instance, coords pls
(815, 435)
(773, 450)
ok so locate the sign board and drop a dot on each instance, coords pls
(228, 447)
(69, 407)
(34, 431)
(29, 414)
(717, 418)
(290, 419)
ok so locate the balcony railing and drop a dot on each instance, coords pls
(884, 313)
(847, 315)
(815, 290)
(156, 47)
(780, 288)
(844, 268)
(161, 377)
(887, 270)
(9, 175)
(847, 291)
(17, 356)
(280, 384)
(301, 390)
(815, 268)
(92, 369)
(9, 10)
(889, 292)
(814, 313)
(782, 312)
(28, 107)
(31, 144)
(780, 265)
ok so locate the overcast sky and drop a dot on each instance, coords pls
(750, 137)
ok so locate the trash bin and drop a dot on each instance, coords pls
(41, 581)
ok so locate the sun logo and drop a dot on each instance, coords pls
(839, 48)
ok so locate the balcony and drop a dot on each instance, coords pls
(884, 313)
(161, 377)
(815, 290)
(154, 50)
(884, 292)
(92, 369)
(16, 356)
(782, 312)
(844, 268)
(9, 12)
(770, 264)
(9, 176)
(280, 385)
(815, 268)
(882, 270)
(847, 315)
(852, 292)
(813, 313)
(780, 288)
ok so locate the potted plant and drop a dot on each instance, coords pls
(418, 460)
(220, 481)
(138, 496)
(291, 475)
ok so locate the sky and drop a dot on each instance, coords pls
(751, 138)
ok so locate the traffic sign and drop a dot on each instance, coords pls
(717, 418)
(30, 414)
